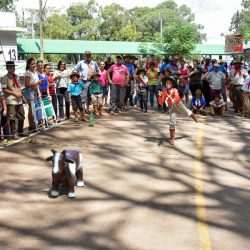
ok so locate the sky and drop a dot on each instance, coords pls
(214, 15)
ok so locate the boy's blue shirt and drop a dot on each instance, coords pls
(76, 88)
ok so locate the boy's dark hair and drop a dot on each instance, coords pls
(165, 79)
(248, 71)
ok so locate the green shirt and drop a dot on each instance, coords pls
(95, 88)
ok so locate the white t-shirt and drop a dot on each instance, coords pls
(216, 78)
(246, 85)
(32, 75)
(238, 79)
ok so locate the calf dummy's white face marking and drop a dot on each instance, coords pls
(56, 162)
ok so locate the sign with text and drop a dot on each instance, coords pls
(9, 53)
(234, 43)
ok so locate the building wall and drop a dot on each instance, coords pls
(9, 47)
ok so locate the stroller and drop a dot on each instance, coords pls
(42, 110)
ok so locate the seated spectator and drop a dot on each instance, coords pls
(198, 103)
(217, 106)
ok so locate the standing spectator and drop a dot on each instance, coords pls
(246, 96)
(205, 84)
(3, 113)
(175, 67)
(52, 86)
(96, 93)
(86, 68)
(130, 87)
(44, 87)
(104, 80)
(152, 76)
(185, 75)
(195, 78)
(236, 78)
(141, 64)
(142, 82)
(108, 63)
(215, 79)
(75, 89)
(32, 91)
(118, 82)
(151, 60)
(61, 77)
(13, 96)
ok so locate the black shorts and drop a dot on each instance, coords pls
(77, 103)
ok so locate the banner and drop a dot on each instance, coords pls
(234, 44)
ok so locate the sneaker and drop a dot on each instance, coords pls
(111, 113)
(23, 135)
(76, 119)
(14, 137)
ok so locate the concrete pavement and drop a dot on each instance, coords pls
(140, 192)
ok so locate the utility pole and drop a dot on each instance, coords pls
(32, 25)
(41, 29)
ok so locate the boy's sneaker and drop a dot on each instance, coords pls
(111, 113)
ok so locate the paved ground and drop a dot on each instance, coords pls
(140, 193)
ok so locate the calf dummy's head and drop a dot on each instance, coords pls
(58, 160)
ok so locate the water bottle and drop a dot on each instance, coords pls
(91, 120)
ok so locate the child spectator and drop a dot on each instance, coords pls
(142, 84)
(96, 93)
(217, 106)
(75, 89)
(198, 103)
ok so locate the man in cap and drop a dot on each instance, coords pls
(215, 79)
(119, 81)
(13, 95)
(86, 68)
(236, 78)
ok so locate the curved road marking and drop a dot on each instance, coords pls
(205, 243)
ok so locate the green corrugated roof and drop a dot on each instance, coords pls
(32, 46)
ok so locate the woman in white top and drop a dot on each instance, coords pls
(61, 77)
(32, 91)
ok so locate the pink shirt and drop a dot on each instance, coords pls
(119, 74)
(103, 77)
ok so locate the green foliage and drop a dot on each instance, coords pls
(240, 21)
(180, 38)
(89, 21)
(7, 5)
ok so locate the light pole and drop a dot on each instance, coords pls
(41, 29)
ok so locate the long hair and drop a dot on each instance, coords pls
(29, 61)
(59, 63)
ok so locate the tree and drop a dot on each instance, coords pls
(7, 5)
(240, 21)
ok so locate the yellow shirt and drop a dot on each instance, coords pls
(152, 77)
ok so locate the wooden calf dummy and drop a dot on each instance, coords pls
(67, 167)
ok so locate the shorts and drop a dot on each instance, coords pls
(77, 103)
(30, 94)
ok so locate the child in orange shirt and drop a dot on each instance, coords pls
(172, 99)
